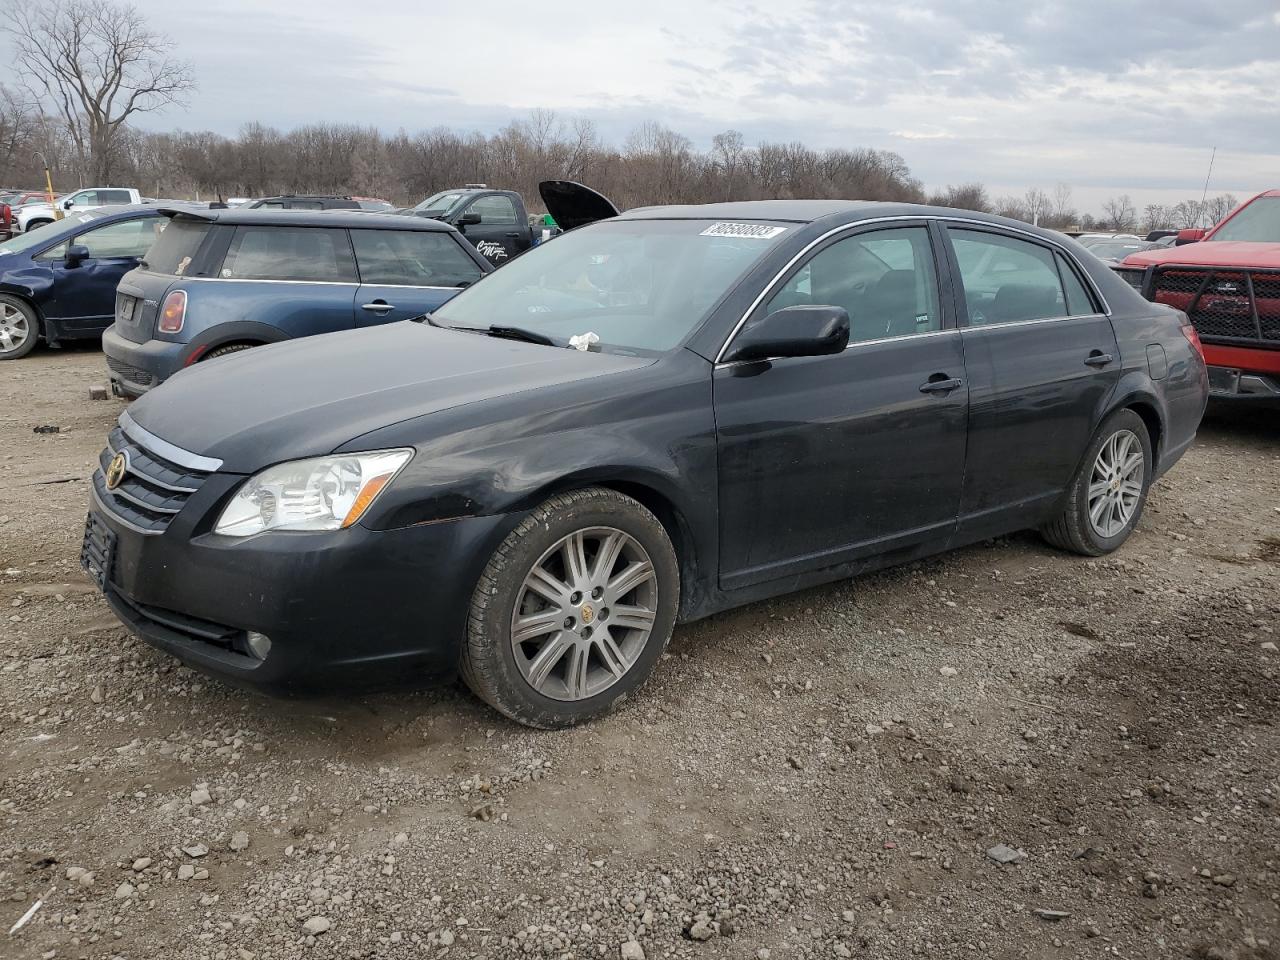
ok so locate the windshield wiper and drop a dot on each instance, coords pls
(505, 333)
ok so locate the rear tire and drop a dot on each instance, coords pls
(1107, 494)
(19, 328)
(227, 349)
(553, 641)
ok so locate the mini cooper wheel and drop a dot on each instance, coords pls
(19, 328)
(573, 609)
(1107, 494)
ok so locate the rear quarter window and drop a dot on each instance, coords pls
(176, 246)
(316, 254)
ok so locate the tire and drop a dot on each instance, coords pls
(19, 328)
(36, 224)
(1075, 529)
(227, 349)
(588, 665)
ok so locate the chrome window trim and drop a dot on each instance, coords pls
(1022, 323)
(852, 344)
(928, 218)
(319, 283)
(163, 448)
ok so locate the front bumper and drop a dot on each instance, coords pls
(137, 367)
(352, 608)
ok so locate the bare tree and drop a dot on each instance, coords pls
(1120, 212)
(1037, 205)
(1063, 210)
(99, 64)
(1156, 216)
(15, 132)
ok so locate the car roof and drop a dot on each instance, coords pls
(240, 216)
(833, 212)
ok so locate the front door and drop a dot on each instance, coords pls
(84, 292)
(825, 460)
(499, 235)
(1042, 361)
(406, 273)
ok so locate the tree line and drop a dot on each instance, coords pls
(88, 69)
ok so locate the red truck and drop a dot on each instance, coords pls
(1227, 280)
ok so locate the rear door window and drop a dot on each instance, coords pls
(114, 196)
(417, 258)
(1007, 280)
(315, 254)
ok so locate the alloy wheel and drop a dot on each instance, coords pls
(1115, 486)
(584, 613)
(14, 328)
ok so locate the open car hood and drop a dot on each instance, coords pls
(574, 205)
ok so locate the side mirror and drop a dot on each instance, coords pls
(799, 331)
(76, 254)
(1193, 235)
(68, 204)
(469, 219)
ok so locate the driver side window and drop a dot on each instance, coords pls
(885, 279)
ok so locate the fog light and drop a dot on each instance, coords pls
(259, 644)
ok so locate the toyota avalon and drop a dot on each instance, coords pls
(643, 422)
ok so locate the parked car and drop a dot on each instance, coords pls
(59, 283)
(648, 419)
(1089, 239)
(1228, 280)
(40, 213)
(307, 202)
(223, 280)
(494, 221)
(374, 204)
(1114, 250)
(10, 200)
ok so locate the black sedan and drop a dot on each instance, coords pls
(645, 421)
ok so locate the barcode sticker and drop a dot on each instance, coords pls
(750, 231)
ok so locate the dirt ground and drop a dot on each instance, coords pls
(818, 776)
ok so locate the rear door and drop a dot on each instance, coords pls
(499, 235)
(825, 460)
(300, 280)
(1042, 361)
(85, 293)
(406, 273)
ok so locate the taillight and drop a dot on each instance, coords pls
(174, 312)
(1193, 337)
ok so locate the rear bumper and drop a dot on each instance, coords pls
(354, 608)
(1232, 383)
(137, 367)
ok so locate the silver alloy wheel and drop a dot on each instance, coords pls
(584, 613)
(14, 328)
(1115, 486)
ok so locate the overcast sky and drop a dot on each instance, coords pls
(1110, 97)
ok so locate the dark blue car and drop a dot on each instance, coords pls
(221, 281)
(59, 282)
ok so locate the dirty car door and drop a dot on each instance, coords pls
(824, 460)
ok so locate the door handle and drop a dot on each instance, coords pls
(941, 383)
(513, 233)
(1098, 359)
(378, 306)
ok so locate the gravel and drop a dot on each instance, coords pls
(812, 777)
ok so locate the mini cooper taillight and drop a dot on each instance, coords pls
(174, 312)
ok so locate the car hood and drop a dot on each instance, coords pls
(1211, 253)
(574, 205)
(308, 397)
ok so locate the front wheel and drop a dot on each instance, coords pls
(573, 609)
(1108, 492)
(19, 328)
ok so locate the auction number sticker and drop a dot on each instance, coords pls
(751, 231)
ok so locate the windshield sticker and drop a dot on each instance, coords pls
(752, 231)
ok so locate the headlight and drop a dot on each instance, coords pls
(327, 493)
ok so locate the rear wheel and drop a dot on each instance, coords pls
(19, 328)
(227, 349)
(1107, 495)
(573, 609)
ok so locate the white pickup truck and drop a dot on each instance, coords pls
(32, 215)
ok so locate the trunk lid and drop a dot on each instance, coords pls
(574, 205)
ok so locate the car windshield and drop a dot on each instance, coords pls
(1259, 221)
(440, 204)
(638, 285)
(44, 235)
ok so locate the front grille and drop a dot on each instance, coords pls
(129, 372)
(1226, 305)
(152, 489)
